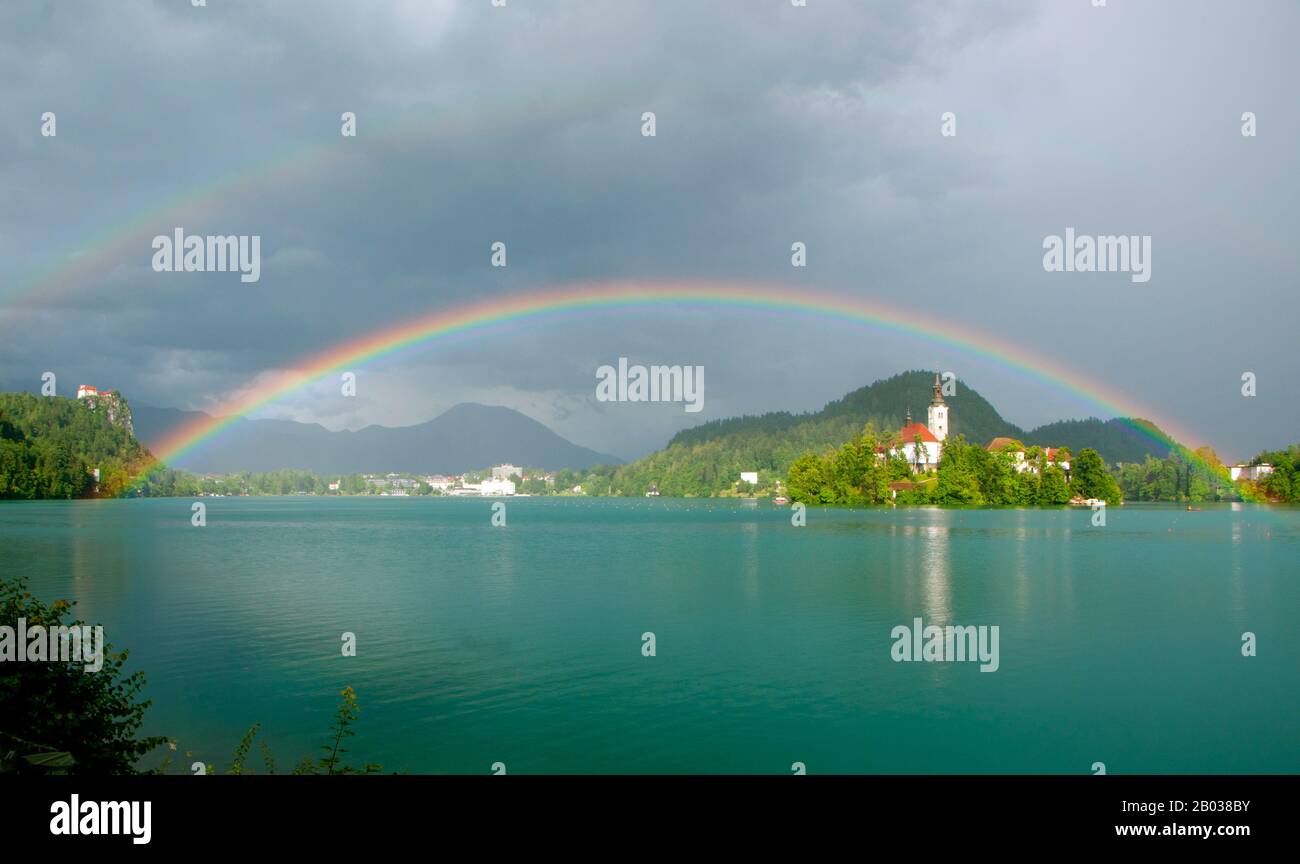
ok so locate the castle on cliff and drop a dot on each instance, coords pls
(110, 402)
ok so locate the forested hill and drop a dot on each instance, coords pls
(1116, 439)
(708, 459)
(49, 446)
(884, 404)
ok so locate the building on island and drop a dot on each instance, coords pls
(922, 444)
(1021, 463)
(1003, 444)
(900, 486)
(920, 447)
(1054, 454)
(936, 416)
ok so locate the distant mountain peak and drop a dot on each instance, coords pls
(465, 437)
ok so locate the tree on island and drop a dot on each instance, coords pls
(960, 470)
(1053, 490)
(857, 474)
(1090, 479)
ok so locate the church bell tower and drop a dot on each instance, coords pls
(937, 415)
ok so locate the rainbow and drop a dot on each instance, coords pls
(198, 206)
(583, 297)
(299, 162)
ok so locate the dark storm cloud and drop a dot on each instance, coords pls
(775, 124)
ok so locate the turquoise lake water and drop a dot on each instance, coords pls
(476, 644)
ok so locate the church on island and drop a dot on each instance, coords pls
(922, 443)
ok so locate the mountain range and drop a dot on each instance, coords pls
(465, 437)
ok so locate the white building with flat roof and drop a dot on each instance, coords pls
(1254, 473)
(497, 487)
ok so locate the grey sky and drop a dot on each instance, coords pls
(775, 124)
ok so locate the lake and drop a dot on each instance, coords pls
(523, 644)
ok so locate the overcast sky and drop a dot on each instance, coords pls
(774, 124)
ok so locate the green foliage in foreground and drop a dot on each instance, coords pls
(331, 763)
(57, 718)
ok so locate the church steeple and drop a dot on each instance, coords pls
(937, 414)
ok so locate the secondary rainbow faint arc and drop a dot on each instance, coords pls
(298, 160)
(609, 295)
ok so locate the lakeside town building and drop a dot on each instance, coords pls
(1253, 473)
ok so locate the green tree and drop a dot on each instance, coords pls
(958, 474)
(57, 713)
(1090, 479)
(50, 447)
(808, 477)
(1052, 488)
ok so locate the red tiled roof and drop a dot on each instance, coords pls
(909, 433)
(1000, 443)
